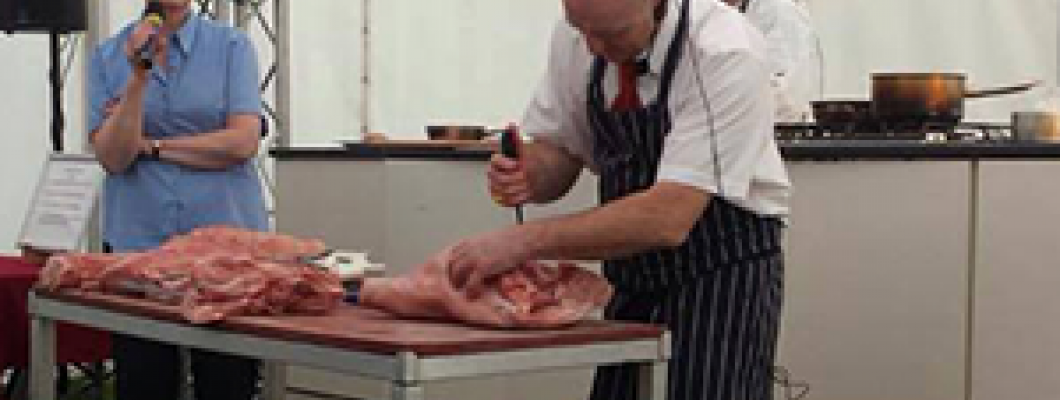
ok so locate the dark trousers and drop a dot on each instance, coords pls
(152, 370)
(723, 328)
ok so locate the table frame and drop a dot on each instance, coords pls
(406, 371)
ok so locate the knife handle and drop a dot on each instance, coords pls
(510, 148)
(510, 142)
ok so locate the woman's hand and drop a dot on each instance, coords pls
(142, 36)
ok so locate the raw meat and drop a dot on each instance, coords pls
(535, 295)
(259, 245)
(211, 273)
(80, 271)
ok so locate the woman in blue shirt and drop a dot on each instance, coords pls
(178, 140)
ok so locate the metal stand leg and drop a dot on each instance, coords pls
(405, 391)
(17, 385)
(187, 384)
(652, 380)
(42, 359)
(273, 380)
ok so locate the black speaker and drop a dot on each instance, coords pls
(43, 15)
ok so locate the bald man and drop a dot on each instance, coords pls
(669, 103)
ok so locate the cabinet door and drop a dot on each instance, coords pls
(1016, 329)
(877, 279)
(339, 201)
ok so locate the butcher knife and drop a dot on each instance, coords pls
(510, 149)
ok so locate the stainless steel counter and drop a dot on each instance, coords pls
(792, 150)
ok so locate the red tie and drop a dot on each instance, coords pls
(627, 98)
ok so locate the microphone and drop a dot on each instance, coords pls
(643, 67)
(153, 15)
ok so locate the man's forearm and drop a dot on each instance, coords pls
(558, 171)
(637, 223)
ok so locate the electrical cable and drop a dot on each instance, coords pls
(782, 377)
(75, 39)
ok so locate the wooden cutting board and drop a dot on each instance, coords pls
(368, 330)
(433, 144)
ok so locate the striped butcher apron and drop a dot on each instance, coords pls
(719, 294)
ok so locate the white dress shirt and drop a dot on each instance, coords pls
(735, 121)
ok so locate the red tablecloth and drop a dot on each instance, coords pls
(75, 343)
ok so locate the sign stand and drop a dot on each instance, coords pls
(62, 204)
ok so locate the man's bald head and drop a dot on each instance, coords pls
(618, 30)
(605, 9)
(734, 3)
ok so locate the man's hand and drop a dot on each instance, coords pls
(474, 261)
(509, 184)
(509, 178)
(428, 292)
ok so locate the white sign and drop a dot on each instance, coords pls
(63, 203)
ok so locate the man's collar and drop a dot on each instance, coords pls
(664, 36)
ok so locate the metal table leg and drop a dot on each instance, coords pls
(273, 380)
(42, 359)
(408, 386)
(652, 380)
(404, 391)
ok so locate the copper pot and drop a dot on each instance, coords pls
(927, 98)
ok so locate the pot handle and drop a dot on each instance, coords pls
(1023, 87)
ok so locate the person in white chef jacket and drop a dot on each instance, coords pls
(793, 47)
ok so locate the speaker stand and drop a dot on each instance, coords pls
(56, 80)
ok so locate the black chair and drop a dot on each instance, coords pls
(92, 386)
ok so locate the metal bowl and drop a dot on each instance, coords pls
(456, 132)
(845, 116)
(1036, 126)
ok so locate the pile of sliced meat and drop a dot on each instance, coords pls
(216, 272)
(211, 273)
(535, 295)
